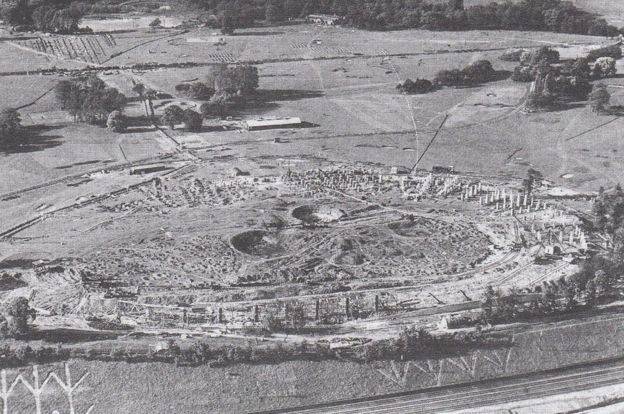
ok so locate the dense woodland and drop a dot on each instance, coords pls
(63, 16)
(544, 15)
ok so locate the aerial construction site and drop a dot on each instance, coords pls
(365, 211)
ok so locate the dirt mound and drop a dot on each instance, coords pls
(410, 228)
(258, 243)
(346, 252)
(310, 214)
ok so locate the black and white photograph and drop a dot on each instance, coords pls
(311, 206)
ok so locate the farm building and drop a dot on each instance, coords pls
(271, 123)
(327, 19)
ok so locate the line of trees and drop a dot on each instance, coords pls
(475, 73)
(543, 15)
(51, 16)
(88, 99)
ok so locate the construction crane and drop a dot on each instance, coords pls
(430, 143)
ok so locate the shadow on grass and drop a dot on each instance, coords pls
(258, 33)
(277, 95)
(32, 139)
(63, 335)
(266, 100)
(501, 75)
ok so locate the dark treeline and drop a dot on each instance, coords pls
(56, 16)
(542, 15)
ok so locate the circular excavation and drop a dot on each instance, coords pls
(310, 214)
(258, 243)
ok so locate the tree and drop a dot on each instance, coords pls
(18, 314)
(53, 18)
(199, 90)
(245, 78)
(173, 115)
(600, 27)
(487, 304)
(139, 89)
(599, 98)
(533, 176)
(229, 21)
(293, 8)
(273, 12)
(449, 77)
(590, 292)
(63, 92)
(340, 7)
(580, 69)
(16, 13)
(89, 99)
(117, 121)
(150, 96)
(237, 79)
(218, 106)
(10, 125)
(192, 120)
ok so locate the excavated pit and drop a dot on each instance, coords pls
(257, 243)
(311, 214)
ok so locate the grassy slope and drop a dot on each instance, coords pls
(160, 388)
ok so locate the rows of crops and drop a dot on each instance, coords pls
(90, 49)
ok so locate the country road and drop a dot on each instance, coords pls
(453, 398)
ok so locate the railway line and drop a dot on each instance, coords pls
(478, 395)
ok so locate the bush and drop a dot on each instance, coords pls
(183, 87)
(512, 55)
(478, 72)
(418, 86)
(545, 55)
(200, 90)
(195, 90)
